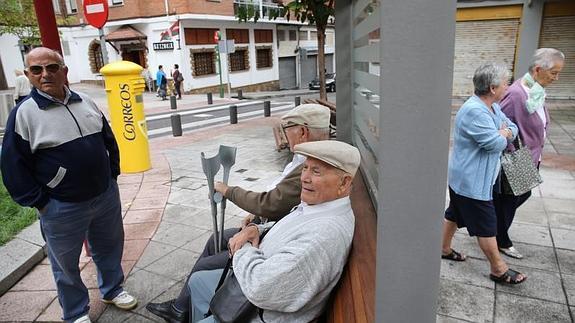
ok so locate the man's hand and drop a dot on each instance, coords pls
(221, 187)
(249, 234)
(247, 220)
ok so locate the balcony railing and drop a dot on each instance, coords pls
(265, 9)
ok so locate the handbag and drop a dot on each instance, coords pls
(519, 173)
(179, 77)
(229, 303)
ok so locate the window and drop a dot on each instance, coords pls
(240, 36)
(71, 6)
(95, 56)
(313, 35)
(203, 63)
(263, 36)
(281, 35)
(199, 36)
(263, 57)
(303, 35)
(292, 35)
(56, 5)
(238, 61)
(66, 47)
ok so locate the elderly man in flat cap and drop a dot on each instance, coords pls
(290, 273)
(305, 123)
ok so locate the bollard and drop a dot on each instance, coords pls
(233, 114)
(297, 101)
(267, 109)
(6, 105)
(240, 94)
(173, 104)
(176, 125)
(210, 100)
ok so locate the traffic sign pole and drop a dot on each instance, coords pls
(220, 70)
(96, 13)
(103, 46)
(216, 40)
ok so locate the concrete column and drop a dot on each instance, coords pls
(344, 63)
(416, 53)
(529, 31)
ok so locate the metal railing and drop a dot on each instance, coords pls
(265, 8)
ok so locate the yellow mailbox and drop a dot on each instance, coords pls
(124, 87)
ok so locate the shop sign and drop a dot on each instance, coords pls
(163, 46)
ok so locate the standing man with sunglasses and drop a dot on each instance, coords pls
(59, 155)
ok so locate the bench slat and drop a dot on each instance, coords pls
(354, 298)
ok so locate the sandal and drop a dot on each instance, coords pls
(511, 252)
(454, 255)
(508, 277)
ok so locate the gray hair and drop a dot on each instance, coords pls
(317, 134)
(488, 75)
(546, 58)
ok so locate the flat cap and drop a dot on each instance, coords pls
(335, 153)
(310, 115)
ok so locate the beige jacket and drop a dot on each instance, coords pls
(274, 204)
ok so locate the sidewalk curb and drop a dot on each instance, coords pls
(255, 96)
(20, 255)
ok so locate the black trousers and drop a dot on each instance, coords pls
(208, 260)
(178, 86)
(505, 208)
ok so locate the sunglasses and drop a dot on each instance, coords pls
(50, 68)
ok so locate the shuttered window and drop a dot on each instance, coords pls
(263, 57)
(559, 33)
(239, 60)
(203, 63)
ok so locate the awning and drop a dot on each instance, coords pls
(125, 32)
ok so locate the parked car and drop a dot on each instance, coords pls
(329, 83)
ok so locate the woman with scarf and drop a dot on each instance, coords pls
(524, 104)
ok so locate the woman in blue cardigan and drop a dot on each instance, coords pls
(481, 132)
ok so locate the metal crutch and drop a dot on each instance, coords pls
(211, 166)
(227, 159)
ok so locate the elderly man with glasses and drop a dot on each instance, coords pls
(289, 274)
(59, 156)
(305, 123)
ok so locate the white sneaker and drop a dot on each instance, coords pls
(123, 301)
(83, 319)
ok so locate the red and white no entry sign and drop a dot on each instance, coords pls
(96, 12)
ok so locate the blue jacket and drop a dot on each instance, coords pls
(160, 75)
(477, 146)
(55, 150)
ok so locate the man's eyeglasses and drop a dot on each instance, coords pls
(284, 127)
(50, 68)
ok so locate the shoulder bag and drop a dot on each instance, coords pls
(519, 173)
(229, 304)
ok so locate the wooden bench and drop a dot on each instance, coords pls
(353, 299)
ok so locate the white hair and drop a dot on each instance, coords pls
(316, 134)
(546, 58)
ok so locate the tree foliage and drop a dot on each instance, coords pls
(314, 12)
(19, 18)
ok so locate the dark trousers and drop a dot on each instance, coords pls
(65, 225)
(505, 208)
(178, 86)
(208, 260)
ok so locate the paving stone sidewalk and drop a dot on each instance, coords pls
(167, 218)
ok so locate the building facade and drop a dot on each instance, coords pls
(183, 32)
